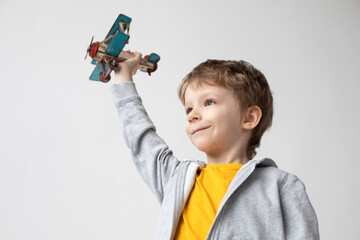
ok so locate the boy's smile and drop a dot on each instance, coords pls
(199, 130)
(213, 119)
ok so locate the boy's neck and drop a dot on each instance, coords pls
(226, 157)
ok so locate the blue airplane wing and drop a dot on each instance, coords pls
(116, 26)
(95, 74)
(117, 44)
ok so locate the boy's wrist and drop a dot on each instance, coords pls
(120, 78)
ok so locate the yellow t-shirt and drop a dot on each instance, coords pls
(200, 209)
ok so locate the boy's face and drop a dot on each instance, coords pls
(213, 118)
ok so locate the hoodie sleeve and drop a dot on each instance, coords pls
(152, 157)
(299, 216)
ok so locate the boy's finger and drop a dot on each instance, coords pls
(137, 55)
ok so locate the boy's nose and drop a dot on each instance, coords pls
(194, 115)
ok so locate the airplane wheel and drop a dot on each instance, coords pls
(114, 65)
(104, 78)
(152, 70)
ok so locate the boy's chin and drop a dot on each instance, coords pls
(204, 148)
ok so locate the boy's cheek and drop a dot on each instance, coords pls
(188, 134)
(187, 129)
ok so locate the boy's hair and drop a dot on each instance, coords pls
(248, 84)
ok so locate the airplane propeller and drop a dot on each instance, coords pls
(88, 49)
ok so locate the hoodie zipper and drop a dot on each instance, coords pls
(246, 173)
(179, 194)
(179, 191)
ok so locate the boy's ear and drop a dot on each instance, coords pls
(252, 117)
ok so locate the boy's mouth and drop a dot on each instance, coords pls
(199, 129)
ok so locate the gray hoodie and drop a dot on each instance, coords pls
(262, 201)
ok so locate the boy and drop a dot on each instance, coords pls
(228, 106)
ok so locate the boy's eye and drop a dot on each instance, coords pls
(209, 102)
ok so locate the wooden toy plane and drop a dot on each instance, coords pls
(107, 54)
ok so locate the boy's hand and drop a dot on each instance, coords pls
(127, 68)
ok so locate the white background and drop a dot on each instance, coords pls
(65, 172)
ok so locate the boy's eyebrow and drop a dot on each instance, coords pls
(204, 95)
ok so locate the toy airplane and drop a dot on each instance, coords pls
(107, 54)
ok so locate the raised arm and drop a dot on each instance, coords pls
(153, 158)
